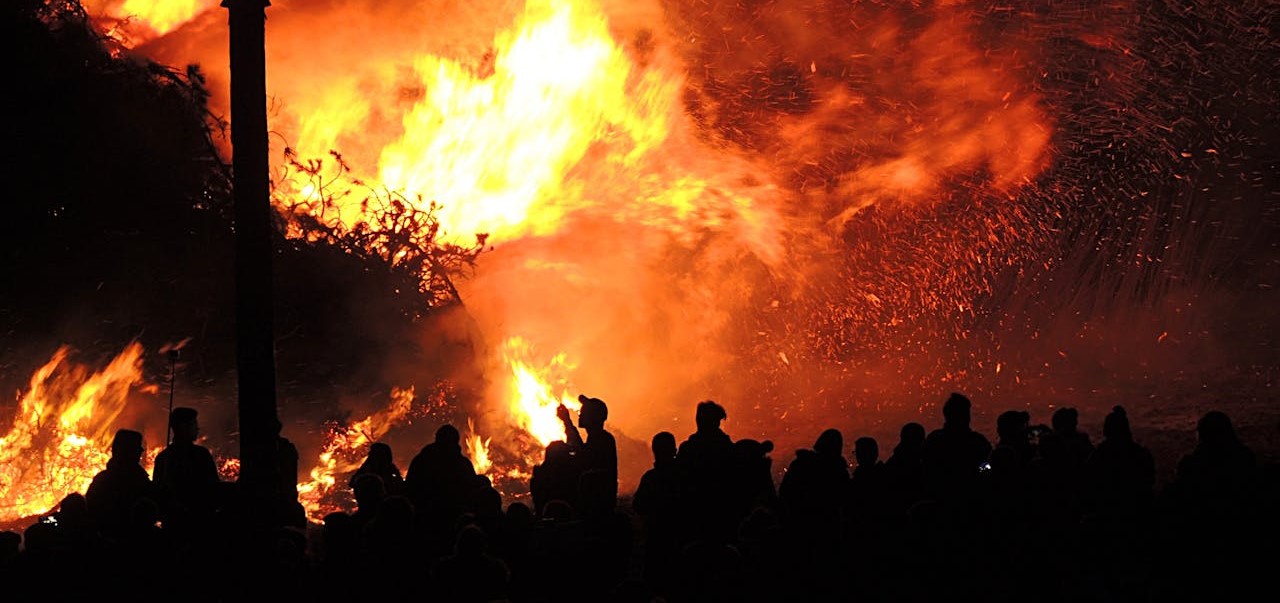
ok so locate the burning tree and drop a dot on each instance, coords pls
(401, 234)
(124, 236)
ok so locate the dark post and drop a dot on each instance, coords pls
(255, 354)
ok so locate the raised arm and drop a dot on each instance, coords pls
(570, 431)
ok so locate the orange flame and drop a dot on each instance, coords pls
(478, 449)
(558, 118)
(343, 452)
(572, 117)
(504, 142)
(533, 401)
(135, 22)
(61, 432)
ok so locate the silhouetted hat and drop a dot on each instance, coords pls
(1116, 424)
(754, 448)
(593, 407)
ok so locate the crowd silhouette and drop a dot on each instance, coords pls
(1042, 514)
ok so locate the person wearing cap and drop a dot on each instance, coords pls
(186, 476)
(596, 456)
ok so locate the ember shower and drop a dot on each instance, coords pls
(816, 213)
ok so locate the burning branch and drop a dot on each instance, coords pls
(401, 233)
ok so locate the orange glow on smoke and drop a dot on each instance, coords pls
(62, 430)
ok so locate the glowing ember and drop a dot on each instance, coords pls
(62, 430)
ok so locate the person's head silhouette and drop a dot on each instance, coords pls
(709, 415)
(185, 424)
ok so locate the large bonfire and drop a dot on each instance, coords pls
(674, 201)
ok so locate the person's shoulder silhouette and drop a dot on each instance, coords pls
(954, 453)
(381, 462)
(470, 572)
(115, 489)
(185, 475)
(1220, 467)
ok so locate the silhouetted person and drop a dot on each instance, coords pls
(114, 490)
(704, 460)
(1224, 547)
(751, 478)
(1066, 423)
(186, 479)
(708, 570)
(1218, 474)
(555, 478)
(486, 504)
(290, 511)
(391, 551)
(471, 573)
(657, 503)
(76, 527)
(63, 539)
(380, 462)
(1013, 430)
(513, 543)
(812, 495)
(144, 552)
(598, 453)
(1054, 483)
(48, 554)
(954, 453)
(1044, 563)
(1117, 519)
(369, 492)
(1121, 472)
(339, 555)
(868, 489)
(814, 485)
(439, 482)
(868, 511)
(904, 469)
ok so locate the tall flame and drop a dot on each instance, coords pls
(478, 449)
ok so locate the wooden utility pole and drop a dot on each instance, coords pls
(255, 353)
